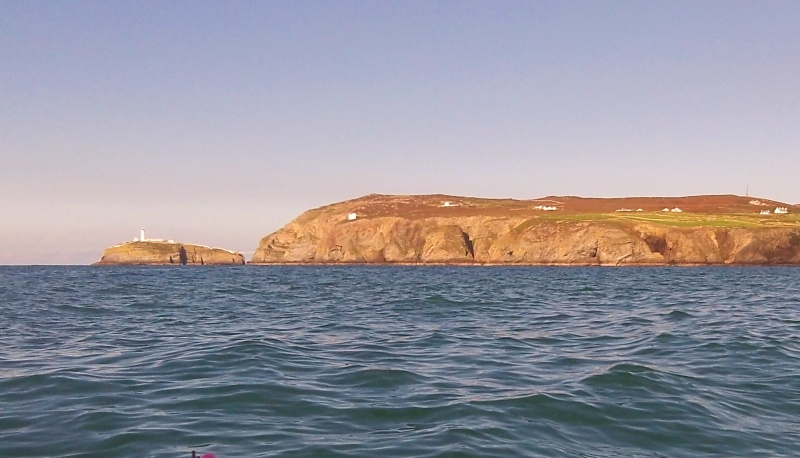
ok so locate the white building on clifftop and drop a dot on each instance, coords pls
(142, 238)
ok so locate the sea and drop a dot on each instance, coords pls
(399, 361)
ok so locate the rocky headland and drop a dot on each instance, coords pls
(440, 229)
(166, 253)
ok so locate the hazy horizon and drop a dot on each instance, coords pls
(217, 123)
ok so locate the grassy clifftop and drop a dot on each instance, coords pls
(694, 210)
(722, 229)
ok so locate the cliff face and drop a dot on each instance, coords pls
(158, 253)
(431, 229)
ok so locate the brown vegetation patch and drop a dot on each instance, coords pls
(441, 205)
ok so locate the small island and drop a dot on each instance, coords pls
(554, 230)
(144, 251)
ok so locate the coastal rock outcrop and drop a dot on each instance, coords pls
(552, 231)
(165, 253)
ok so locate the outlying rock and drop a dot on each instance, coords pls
(164, 253)
(454, 230)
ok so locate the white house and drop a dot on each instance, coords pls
(665, 210)
(546, 208)
(676, 210)
(449, 204)
(781, 210)
(764, 212)
(352, 216)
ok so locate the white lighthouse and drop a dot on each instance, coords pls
(141, 236)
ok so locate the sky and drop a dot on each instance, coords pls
(217, 122)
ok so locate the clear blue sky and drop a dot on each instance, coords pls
(217, 122)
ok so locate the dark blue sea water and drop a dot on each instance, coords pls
(399, 361)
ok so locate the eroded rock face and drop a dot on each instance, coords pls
(161, 253)
(417, 229)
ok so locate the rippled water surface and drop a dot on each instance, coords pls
(399, 361)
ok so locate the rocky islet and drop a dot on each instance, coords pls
(168, 253)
